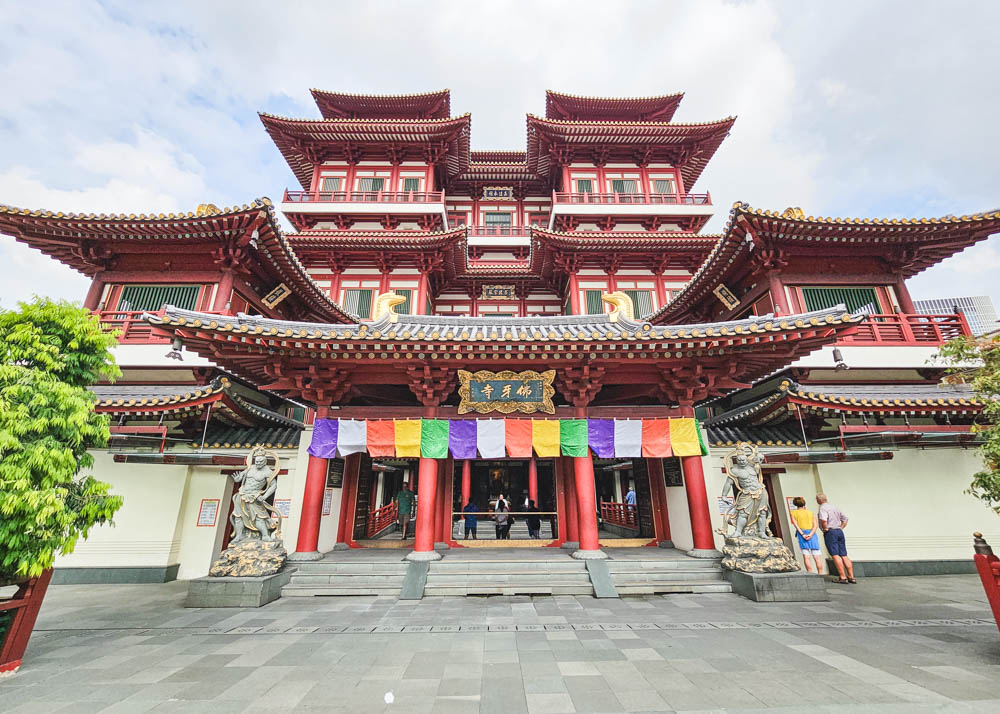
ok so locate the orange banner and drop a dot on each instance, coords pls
(656, 439)
(518, 432)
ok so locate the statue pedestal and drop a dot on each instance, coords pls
(749, 554)
(778, 587)
(250, 559)
(236, 592)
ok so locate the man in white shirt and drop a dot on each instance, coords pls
(832, 522)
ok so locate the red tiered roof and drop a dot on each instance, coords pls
(576, 108)
(907, 245)
(687, 146)
(344, 105)
(92, 243)
(307, 142)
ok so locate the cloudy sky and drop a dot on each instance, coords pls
(879, 109)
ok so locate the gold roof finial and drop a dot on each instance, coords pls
(384, 304)
(621, 305)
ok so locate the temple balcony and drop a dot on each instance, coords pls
(688, 210)
(131, 327)
(403, 204)
(909, 329)
(499, 235)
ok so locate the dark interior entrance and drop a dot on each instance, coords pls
(507, 477)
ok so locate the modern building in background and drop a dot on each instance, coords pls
(979, 311)
(418, 261)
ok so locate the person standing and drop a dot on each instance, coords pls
(500, 510)
(532, 520)
(807, 532)
(630, 504)
(471, 520)
(404, 502)
(832, 521)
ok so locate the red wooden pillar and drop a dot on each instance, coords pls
(562, 511)
(349, 496)
(446, 481)
(533, 480)
(777, 289)
(574, 294)
(344, 525)
(658, 494)
(583, 468)
(423, 288)
(466, 482)
(223, 292)
(307, 545)
(22, 623)
(93, 299)
(572, 514)
(423, 542)
(701, 520)
(903, 296)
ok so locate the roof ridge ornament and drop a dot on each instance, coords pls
(794, 212)
(384, 304)
(207, 209)
(621, 304)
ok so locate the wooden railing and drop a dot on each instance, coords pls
(498, 231)
(663, 199)
(909, 329)
(619, 514)
(364, 196)
(382, 518)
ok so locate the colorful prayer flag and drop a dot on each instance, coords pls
(434, 438)
(545, 437)
(601, 435)
(656, 438)
(324, 439)
(462, 438)
(573, 437)
(628, 438)
(490, 438)
(352, 436)
(381, 438)
(684, 437)
(407, 437)
(518, 433)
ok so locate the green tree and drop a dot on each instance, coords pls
(977, 362)
(50, 352)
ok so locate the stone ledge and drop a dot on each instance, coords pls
(237, 592)
(892, 568)
(778, 587)
(115, 575)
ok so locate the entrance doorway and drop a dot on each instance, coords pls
(619, 516)
(510, 478)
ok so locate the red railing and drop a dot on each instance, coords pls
(131, 326)
(988, 566)
(364, 196)
(663, 199)
(619, 514)
(909, 329)
(519, 231)
(382, 518)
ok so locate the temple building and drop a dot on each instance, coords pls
(548, 324)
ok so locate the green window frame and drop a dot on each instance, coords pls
(358, 302)
(411, 184)
(642, 301)
(664, 186)
(151, 298)
(863, 300)
(404, 307)
(584, 185)
(331, 183)
(592, 302)
(497, 218)
(624, 186)
(369, 183)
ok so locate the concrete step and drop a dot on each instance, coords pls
(628, 566)
(673, 587)
(323, 568)
(345, 579)
(500, 566)
(671, 577)
(505, 578)
(292, 590)
(550, 588)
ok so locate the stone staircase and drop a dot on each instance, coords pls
(346, 578)
(652, 576)
(511, 576)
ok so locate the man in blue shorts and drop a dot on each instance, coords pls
(833, 521)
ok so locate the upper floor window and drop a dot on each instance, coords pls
(585, 185)
(497, 222)
(539, 220)
(663, 186)
(371, 184)
(358, 302)
(411, 184)
(406, 307)
(154, 297)
(593, 305)
(642, 302)
(331, 183)
(864, 300)
(623, 186)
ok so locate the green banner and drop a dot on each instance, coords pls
(434, 438)
(573, 437)
(701, 438)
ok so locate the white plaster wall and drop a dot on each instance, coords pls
(145, 531)
(200, 545)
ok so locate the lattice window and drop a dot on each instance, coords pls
(642, 301)
(154, 297)
(496, 218)
(623, 185)
(331, 183)
(663, 185)
(411, 184)
(404, 308)
(371, 184)
(358, 302)
(592, 300)
(585, 185)
(863, 300)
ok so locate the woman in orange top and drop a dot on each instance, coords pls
(807, 531)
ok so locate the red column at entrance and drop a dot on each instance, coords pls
(658, 494)
(701, 520)
(572, 515)
(306, 547)
(466, 482)
(533, 480)
(560, 501)
(583, 467)
(446, 478)
(423, 542)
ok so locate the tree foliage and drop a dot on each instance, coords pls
(50, 352)
(984, 377)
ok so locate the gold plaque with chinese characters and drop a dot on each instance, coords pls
(506, 392)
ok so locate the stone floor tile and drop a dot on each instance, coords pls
(550, 703)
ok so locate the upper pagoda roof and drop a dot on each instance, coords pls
(307, 142)
(90, 242)
(498, 156)
(911, 244)
(344, 105)
(559, 105)
(687, 146)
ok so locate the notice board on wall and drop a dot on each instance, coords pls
(335, 473)
(208, 512)
(672, 474)
(327, 501)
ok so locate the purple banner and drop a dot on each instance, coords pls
(324, 441)
(601, 435)
(462, 439)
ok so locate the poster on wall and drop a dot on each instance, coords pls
(672, 474)
(335, 473)
(283, 506)
(209, 512)
(327, 501)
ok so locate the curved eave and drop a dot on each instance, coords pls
(179, 401)
(631, 241)
(425, 105)
(560, 105)
(378, 240)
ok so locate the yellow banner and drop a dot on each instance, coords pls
(545, 437)
(408, 437)
(683, 437)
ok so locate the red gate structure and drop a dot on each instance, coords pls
(988, 566)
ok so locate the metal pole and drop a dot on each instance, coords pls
(802, 427)
(204, 431)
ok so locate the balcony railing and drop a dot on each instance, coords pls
(364, 196)
(899, 329)
(643, 199)
(618, 514)
(516, 231)
(382, 518)
(131, 326)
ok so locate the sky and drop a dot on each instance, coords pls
(854, 108)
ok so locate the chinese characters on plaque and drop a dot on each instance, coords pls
(499, 292)
(208, 512)
(498, 193)
(506, 392)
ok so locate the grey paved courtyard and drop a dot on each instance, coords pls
(884, 645)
